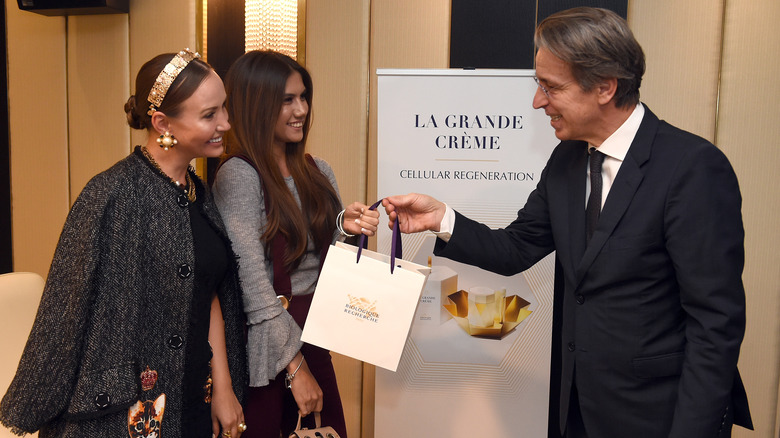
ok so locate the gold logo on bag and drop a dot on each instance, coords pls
(362, 308)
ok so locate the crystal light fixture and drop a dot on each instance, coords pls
(272, 25)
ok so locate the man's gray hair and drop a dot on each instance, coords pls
(597, 44)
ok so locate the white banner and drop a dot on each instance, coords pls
(477, 360)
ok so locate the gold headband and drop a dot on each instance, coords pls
(166, 78)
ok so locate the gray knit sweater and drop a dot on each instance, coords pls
(116, 300)
(274, 337)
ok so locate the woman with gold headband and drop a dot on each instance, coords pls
(282, 211)
(140, 329)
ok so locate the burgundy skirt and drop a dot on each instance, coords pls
(270, 409)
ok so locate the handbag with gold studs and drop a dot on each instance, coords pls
(318, 432)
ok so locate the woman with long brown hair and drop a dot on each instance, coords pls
(282, 211)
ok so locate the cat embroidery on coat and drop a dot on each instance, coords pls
(144, 418)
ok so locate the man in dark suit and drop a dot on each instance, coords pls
(646, 223)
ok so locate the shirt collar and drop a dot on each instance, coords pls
(617, 144)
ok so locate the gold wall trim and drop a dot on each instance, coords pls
(724, 5)
(302, 32)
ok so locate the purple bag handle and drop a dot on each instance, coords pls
(395, 248)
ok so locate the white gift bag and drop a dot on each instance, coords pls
(360, 308)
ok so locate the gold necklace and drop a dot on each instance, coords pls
(190, 188)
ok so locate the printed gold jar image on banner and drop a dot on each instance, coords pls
(485, 312)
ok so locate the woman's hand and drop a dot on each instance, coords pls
(358, 219)
(304, 387)
(226, 414)
(226, 411)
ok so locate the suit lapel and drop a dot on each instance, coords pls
(575, 180)
(622, 192)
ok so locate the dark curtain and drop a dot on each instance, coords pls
(500, 33)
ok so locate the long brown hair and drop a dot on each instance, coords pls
(255, 87)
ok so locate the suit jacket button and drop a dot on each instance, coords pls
(175, 342)
(184, 270)
(580, 299)
(572, 346)
(182, 200)
(102, 400)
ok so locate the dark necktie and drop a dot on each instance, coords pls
(594, 200)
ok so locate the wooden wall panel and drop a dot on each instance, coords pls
(68, 81)
(682, 44)
(38, 122)
(97, 91)
(158, 27)
(699, 55)
(337, 58)
(404, 34)
(748, 133)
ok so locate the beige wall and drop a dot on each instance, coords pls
(38, 120)
(336, 56)
(748, 133)
(68, 79)
(711, 69)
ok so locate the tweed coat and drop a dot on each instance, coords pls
(116, 300)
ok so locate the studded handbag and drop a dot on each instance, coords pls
(318, 432)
